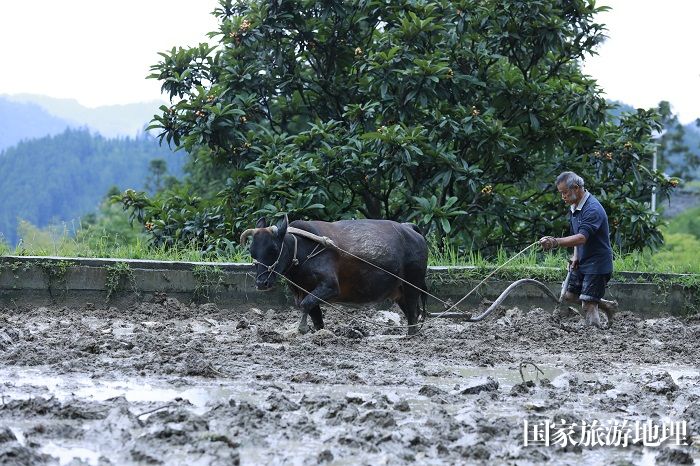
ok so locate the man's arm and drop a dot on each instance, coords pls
(549, 242)
(571, 241)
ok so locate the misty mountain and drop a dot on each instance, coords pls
(63, 177)
(21, 121)
(109, 121)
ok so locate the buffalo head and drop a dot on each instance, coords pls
(268, 252)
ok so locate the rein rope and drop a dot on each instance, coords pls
(327, 242)
(295, 260)
(486, 278)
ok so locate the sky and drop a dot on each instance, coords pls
(650, 54)
(99, 53)
(95, 51)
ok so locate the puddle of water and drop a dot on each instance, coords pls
(678, 373)
(33, 382)
(508, 377)
(199, 327)
(200, 395)
(122, 330)
(67, 454)
(203, 393)
(610, 455)
(388, 317)
(304, 451)
(19, 435)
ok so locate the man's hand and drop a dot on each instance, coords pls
(548, 242)
(573, 263)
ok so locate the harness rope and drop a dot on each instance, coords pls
(327, 242)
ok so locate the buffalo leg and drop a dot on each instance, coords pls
(316, 317)
(312, 301)
(303, 326)
(408, 302)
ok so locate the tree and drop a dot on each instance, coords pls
(107, 228)
(157, 169)
(675, 155)
(455, 115)
(62, 177)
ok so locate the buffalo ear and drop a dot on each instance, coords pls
(282, 226)
(262, 223)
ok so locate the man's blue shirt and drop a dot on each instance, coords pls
(589, 219)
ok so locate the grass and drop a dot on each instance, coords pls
(680, 254)
(533, 257)
(688, 222)
(60, 243)
(692, 185)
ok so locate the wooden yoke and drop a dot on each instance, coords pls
(323, 240)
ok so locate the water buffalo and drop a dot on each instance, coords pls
(330, 272)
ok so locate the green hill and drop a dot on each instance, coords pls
(63, 177)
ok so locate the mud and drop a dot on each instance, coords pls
(170, 383)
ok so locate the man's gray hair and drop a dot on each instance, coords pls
(571, 179)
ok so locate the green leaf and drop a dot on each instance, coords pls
(582, 129)
(445, 223)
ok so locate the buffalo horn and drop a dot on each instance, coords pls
(251, 231)
(246, 234)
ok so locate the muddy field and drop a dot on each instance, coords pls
(170, 383)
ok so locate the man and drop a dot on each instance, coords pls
(592, 261)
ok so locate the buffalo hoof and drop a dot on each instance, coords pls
(303, 329)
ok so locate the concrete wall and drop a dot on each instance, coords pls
(44, 281)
